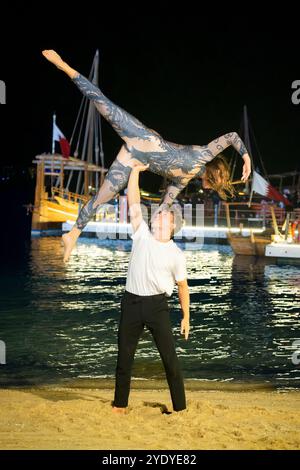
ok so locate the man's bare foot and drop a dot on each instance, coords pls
(69, 241)
(53, 57)
(117, 410)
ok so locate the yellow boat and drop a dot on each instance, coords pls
(51, 210)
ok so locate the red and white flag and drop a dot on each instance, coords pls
(261, 186)
(58, 136)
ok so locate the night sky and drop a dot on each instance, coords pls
(187, 83)
(185, 76)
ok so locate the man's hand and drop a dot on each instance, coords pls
(185, 327)
(137, 166)
(246, 168)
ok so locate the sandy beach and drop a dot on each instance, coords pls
(56, 417)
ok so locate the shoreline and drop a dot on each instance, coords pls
(149, 384)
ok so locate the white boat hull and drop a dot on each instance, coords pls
(283, 250)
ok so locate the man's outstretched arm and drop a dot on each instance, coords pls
(133, 196)
(184, 299)
(180, 274)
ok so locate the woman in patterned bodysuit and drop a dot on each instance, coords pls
(178, 163)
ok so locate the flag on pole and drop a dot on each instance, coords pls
(261, 186)
(58, 136)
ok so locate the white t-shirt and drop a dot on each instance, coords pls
(154, 266)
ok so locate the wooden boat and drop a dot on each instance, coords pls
(285, 248)
(271, 242)
(253, 245)
(50, 210)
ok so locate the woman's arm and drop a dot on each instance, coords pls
(168, 197)
(221, 143)
(232, 138)
(176, 185)
(170, 194)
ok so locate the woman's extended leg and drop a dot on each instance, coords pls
(130, 129)
(115, 180)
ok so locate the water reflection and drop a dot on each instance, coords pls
(60, 321)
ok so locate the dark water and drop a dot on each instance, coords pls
(60, 321)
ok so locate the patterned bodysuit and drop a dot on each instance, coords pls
(178, 163)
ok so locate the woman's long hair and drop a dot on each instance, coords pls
(218, 177)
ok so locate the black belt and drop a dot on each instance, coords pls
(130, 294)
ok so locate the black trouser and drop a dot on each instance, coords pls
(152, 311)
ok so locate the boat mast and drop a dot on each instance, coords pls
(247, 141)
(96, 148)
(90, 135)
(53, 126)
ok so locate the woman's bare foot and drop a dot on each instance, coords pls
(53, 57)
(69, 241)
(117, 410)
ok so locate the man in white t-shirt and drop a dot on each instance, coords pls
(155, 264)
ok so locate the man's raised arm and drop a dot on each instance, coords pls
(133, 196)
